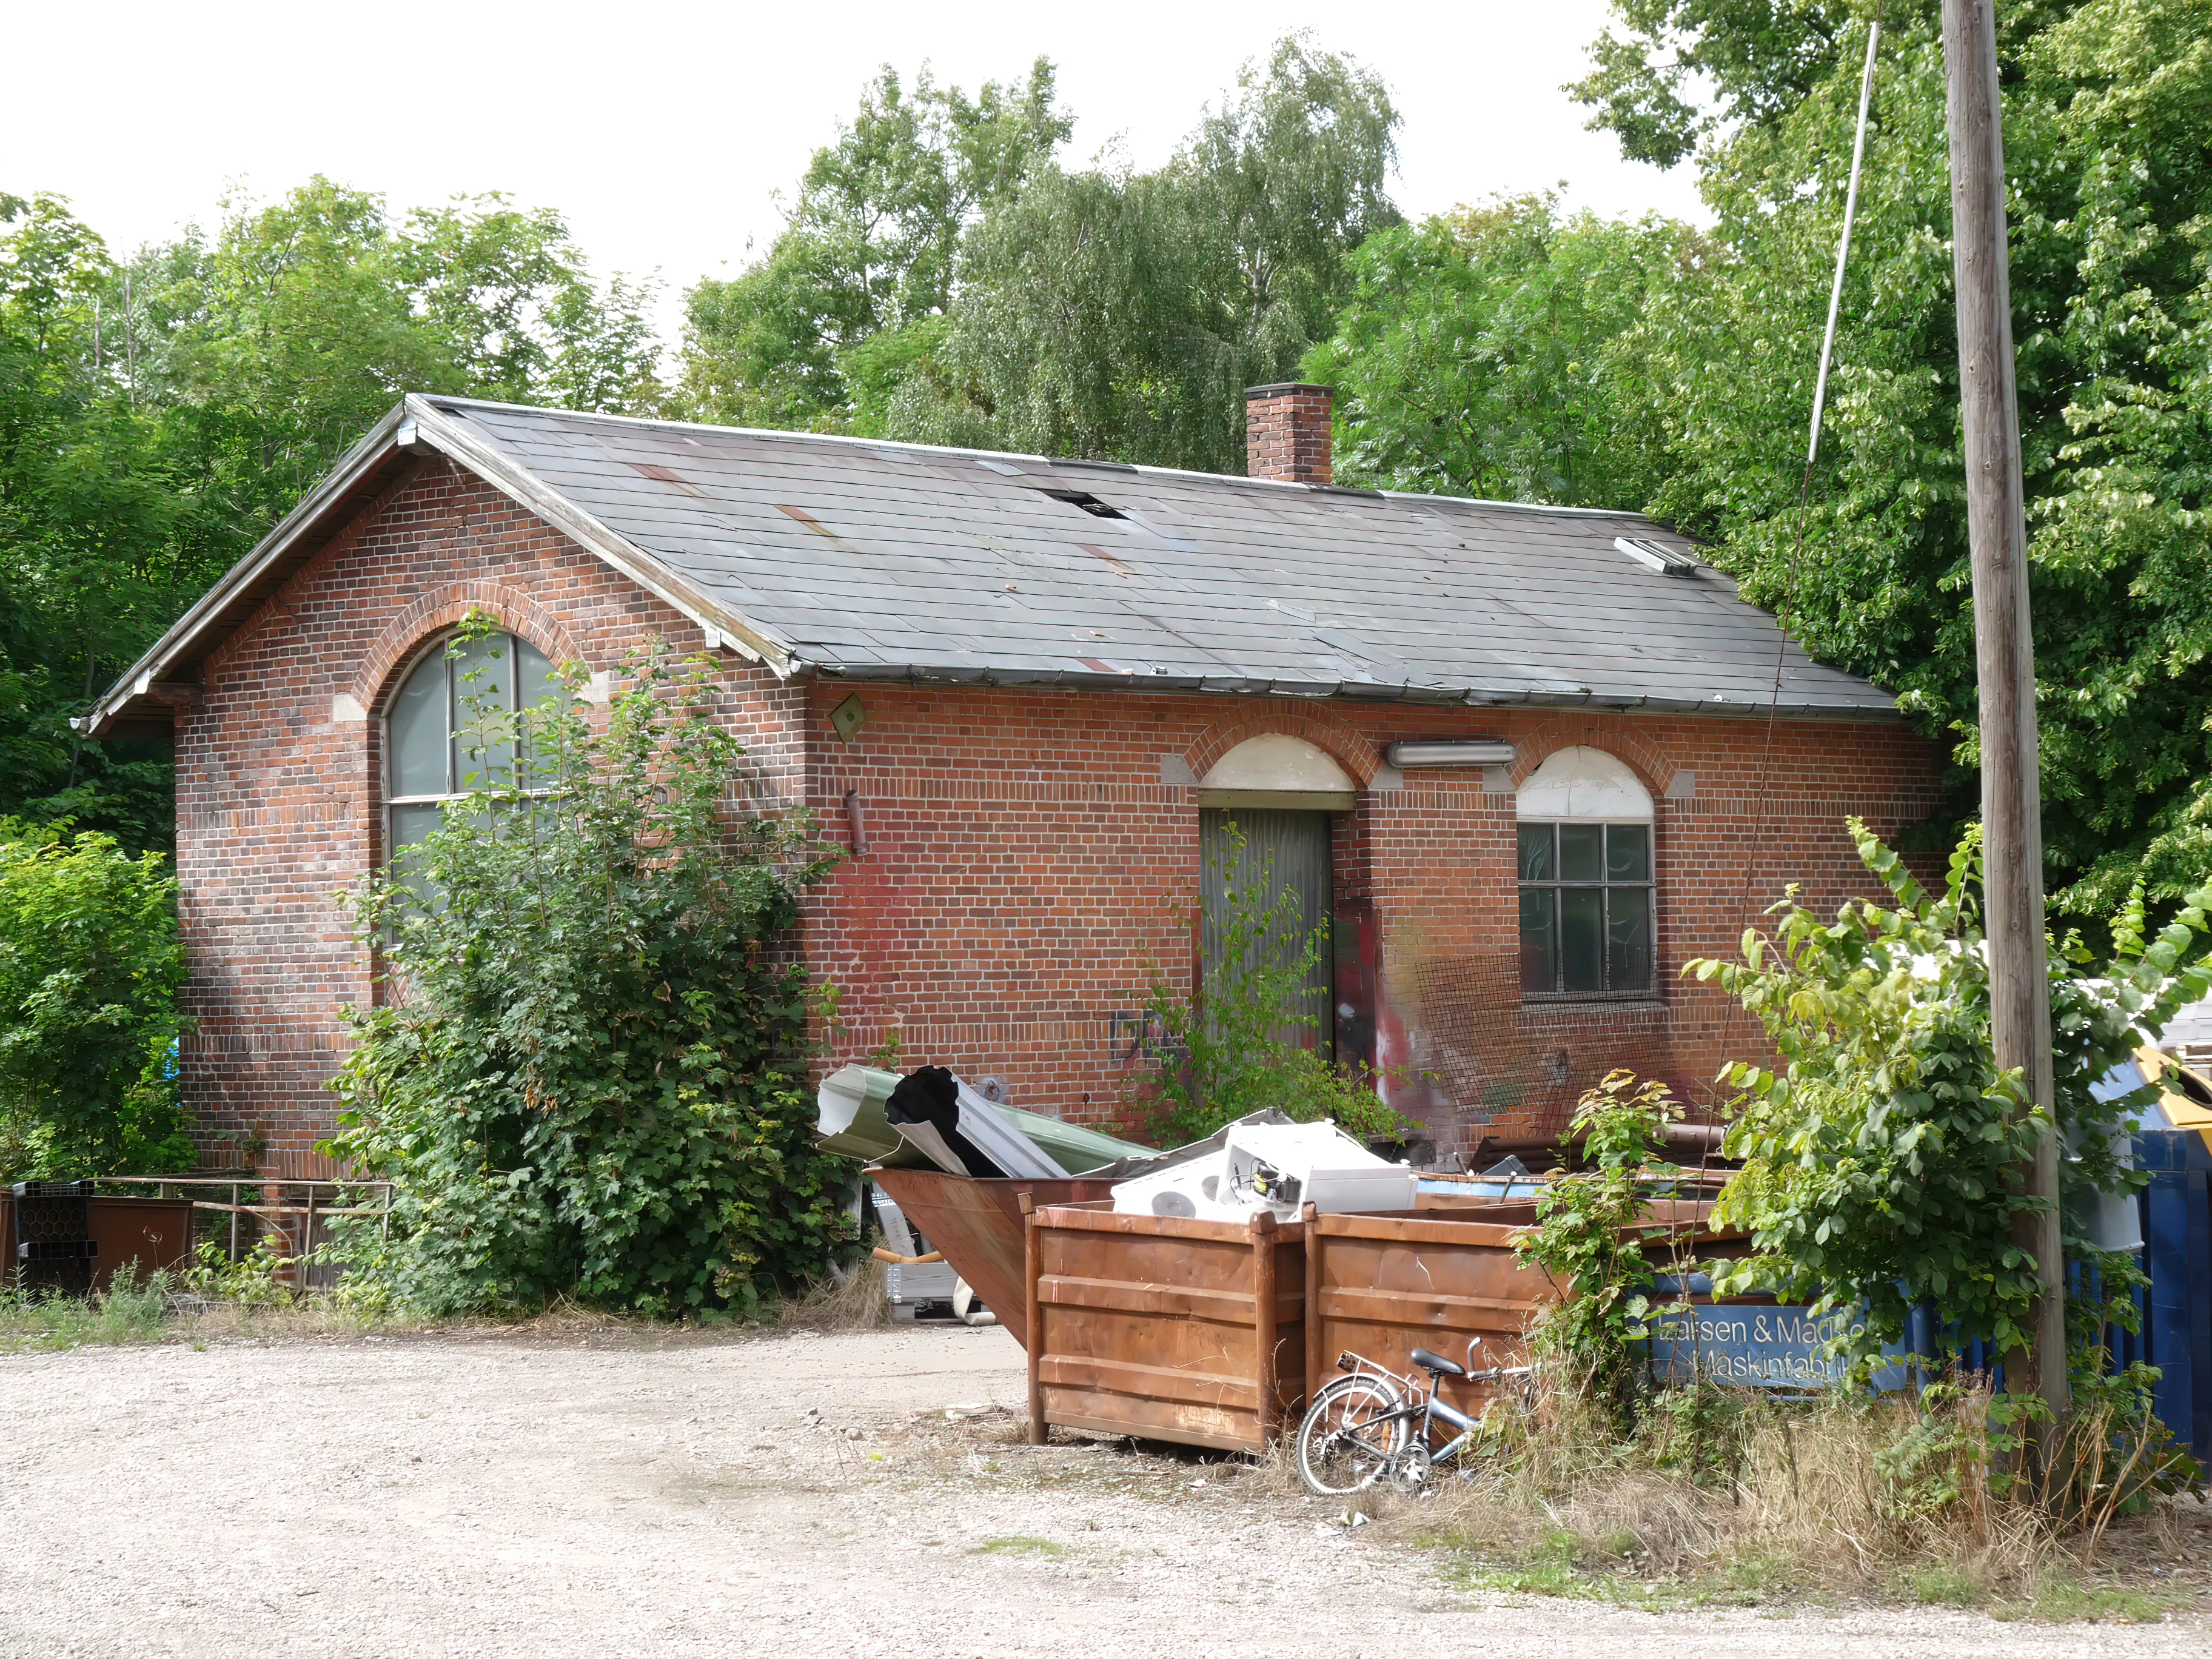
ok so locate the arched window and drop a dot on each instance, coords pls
(1586, 888)
(437, 746)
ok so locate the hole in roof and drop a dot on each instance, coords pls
(1089, 502)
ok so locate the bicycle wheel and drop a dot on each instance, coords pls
(1350, 1436)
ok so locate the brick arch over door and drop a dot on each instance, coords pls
(1342, 743)
(447, 607)
(1654, 768)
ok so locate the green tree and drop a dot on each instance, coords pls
(1882, 1152)
(158, 415)
(1760, 59)
(90, 967)
(1113, 313)
(283, 336)
(587, 1073)
(2108, 117)
(1496, 352)
(868, 249)
(102, 537)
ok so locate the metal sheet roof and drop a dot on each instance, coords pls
(874, 559)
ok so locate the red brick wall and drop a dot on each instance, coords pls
(1287, 434)
(278, 800)
(1026, 856)
(1027, 849)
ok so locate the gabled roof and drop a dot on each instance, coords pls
(870, 560)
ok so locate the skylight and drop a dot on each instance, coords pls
(1656, 556)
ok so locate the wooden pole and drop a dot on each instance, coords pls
(2004, 646)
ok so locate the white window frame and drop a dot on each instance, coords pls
(438, 646)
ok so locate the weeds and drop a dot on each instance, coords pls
(2066, 1602)
(1739, 1499)
(857, 1302)
(1020, 1544)
(131, 1311)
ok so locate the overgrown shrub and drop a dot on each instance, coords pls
(90, 967)
(1246, 1041)
(1881, 1158)
(1586, 1237)
(587, 1075)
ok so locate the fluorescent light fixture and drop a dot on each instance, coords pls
(1479, 752)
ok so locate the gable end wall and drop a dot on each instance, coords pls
(278, 802)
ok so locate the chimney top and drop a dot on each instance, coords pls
(1287, 433)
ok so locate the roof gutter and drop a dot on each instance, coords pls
(1356, 691)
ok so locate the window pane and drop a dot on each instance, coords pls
(484, 713)
(1536, 852)
(418, 731)
(1581, 939)
(410, 825)
(1628, 852)
(536, 670)
(1539, 941)
(1628, 939)
(1582, 852)
(539, 682)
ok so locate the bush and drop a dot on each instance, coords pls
(90, 967)
(588, 1076)
(1882, 1158)
(1586, 1238)
(1241, 1046)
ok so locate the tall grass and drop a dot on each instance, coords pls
(1720, 1493)
(131, 1309)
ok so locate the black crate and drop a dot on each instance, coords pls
(53, 1211)
(56, 1250)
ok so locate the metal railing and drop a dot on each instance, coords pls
(274, 1205)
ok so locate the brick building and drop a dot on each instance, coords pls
(1528, 760)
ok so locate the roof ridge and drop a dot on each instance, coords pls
(849, 440)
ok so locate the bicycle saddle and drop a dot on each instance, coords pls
(1436, 1365)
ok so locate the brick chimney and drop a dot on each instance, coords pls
(1287, 433)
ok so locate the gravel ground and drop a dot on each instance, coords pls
(610, 1495)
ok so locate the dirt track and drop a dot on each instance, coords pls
(609, 1498)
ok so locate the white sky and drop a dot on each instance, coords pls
(662, 131)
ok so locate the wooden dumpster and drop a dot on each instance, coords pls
(1164, 1327)
(977, 1227)
(153, 1233)
(1381, 1286)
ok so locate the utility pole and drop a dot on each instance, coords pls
(2004, 649)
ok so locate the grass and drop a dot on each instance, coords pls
(2068, 1602)
(130, 1312)
(221, 1301)
(1021, 1544)
(1749, 1502)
